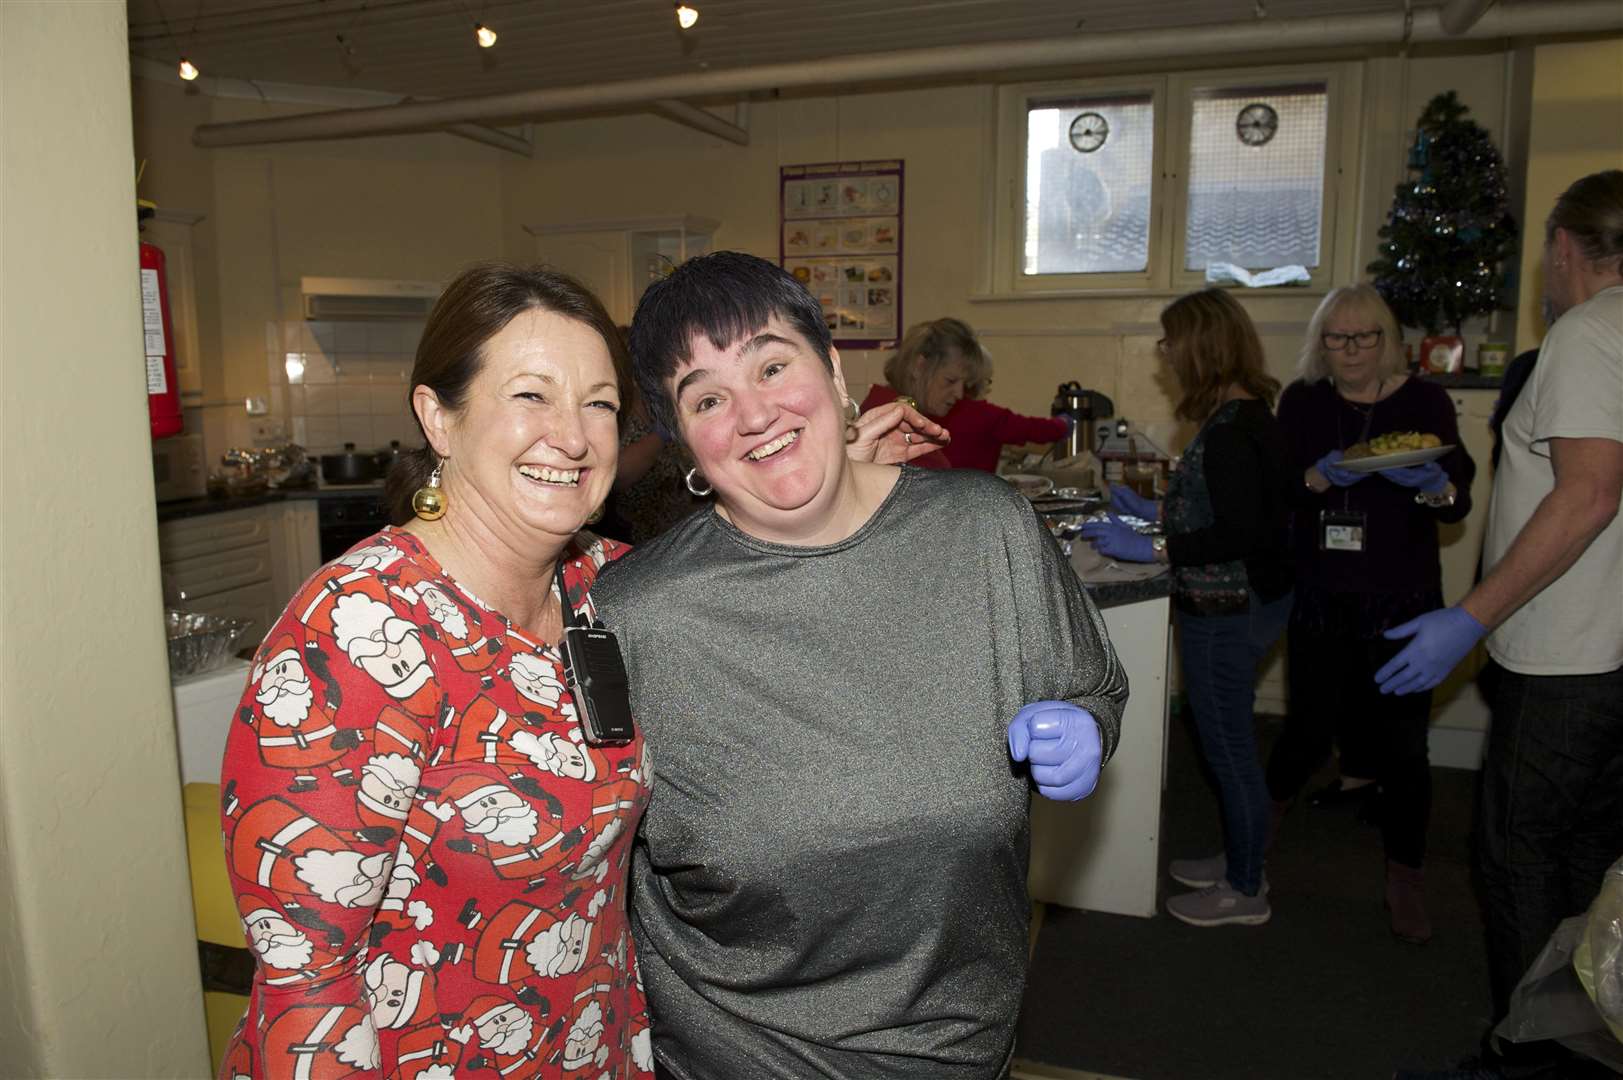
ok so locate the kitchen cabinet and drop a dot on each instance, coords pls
(1104, 852)
(618, 259)
(245, 564)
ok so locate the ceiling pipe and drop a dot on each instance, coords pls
(1458, 16)
(1270, 35)
(695, 117)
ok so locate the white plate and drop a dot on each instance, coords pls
(1394, 461)
(1030, 485)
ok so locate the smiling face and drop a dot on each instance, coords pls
(763, 421)
(1353, 366)
(945, 387)
(532, 452)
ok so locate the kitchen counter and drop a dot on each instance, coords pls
(1104, 853)
(221, 504)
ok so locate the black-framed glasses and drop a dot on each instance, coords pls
(1364, 339)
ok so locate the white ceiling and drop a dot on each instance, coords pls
(425, 48)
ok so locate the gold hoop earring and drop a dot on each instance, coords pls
(428, 501)
(692, 488)
(596, 515)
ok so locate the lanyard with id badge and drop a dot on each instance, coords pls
(1345, 529)
(596, 675)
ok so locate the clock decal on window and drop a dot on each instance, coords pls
(1089, 132)
(1256, 124)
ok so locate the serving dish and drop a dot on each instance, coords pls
(199, 642)
(1029, 484)
(1393, 461)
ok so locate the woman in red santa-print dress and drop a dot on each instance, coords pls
(429, 857)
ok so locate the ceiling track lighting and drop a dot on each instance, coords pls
(686, 16)
(188, 70)
(484, 35)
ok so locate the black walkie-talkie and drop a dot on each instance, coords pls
(596, 674)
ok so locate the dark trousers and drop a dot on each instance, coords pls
(1220, 657)
(1332, 688)
(1551, 815)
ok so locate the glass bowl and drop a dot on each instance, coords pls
(199, 642)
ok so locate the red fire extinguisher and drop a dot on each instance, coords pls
(163, 394)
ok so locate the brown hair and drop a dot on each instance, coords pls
(938, 342)
(473, 309)
(1211, 345)
(1592, 211)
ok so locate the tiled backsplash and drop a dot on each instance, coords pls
(344, 382)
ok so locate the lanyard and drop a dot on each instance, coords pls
(1363, 432)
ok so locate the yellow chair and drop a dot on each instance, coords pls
(214, 907)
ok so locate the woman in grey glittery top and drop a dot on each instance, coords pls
(850, 676)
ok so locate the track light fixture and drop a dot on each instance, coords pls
(686, 16)
(484, 35)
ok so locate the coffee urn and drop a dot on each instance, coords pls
(1085, 406)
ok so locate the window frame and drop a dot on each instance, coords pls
(1171, 95)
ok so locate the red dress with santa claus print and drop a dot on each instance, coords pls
(429, 861)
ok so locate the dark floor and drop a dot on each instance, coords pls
(1323, 990)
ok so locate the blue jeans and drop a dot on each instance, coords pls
(1551, 817)
(1220, 658)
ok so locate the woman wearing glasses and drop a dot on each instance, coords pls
(1366, 560)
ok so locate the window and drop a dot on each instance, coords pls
(1141, 185)
(1256, 176)
(1088, 170)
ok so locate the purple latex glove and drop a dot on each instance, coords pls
(1441, 640)
(1338, 476)
(1428, 477)
(1061, 741)
(1118, 540)
(1129, 501)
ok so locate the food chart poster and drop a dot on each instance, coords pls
(842, 238)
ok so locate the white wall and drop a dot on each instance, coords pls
(100, 969)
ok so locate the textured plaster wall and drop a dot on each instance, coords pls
(96, 943)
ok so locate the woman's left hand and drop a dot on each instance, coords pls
(894, 433)
(1119, 540)
(1061, 741)
(1427, 477)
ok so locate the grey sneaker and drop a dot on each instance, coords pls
(1219, 905)
(1200, 873)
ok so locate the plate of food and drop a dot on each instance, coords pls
(1394, 450)
(1029, 484)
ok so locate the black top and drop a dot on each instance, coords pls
(1245, 469)
(1400, 535)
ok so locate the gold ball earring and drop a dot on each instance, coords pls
(428, 501)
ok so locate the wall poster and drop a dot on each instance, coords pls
(842, 237)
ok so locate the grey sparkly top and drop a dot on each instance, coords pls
(830, 879)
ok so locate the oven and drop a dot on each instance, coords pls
(347, 515)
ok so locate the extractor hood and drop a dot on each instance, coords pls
(367, 298)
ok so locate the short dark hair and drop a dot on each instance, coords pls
(473, 309)
(725, 296)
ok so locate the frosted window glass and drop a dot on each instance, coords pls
(1256, 206)
(1088, 213)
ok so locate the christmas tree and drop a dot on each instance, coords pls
(1449, 228)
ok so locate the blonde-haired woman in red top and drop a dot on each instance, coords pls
(942, 367)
